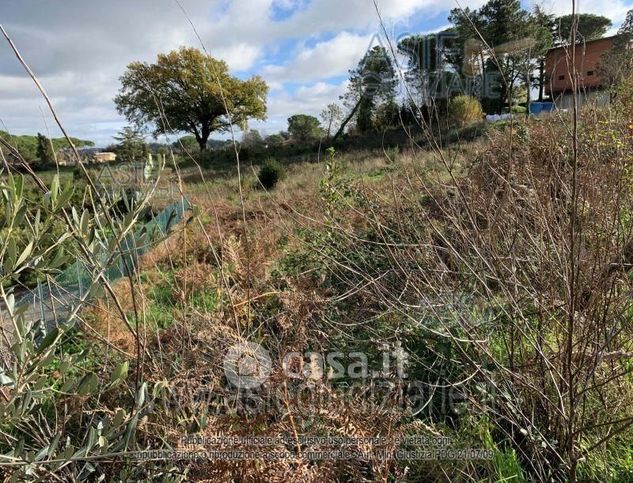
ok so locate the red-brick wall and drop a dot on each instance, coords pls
(558, 66)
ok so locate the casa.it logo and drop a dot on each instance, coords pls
(247, 365)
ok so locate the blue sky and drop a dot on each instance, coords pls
(302, 48)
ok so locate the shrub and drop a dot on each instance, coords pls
(270, 173)
(464, 110)
(392, 154)
(206, 159)
(78, 174)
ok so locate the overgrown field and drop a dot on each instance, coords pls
(500, 267)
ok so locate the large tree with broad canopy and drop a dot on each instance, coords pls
(189, 91)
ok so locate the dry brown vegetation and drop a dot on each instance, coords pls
(475, 241)
(501, 266)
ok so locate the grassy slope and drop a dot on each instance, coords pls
(27, 145)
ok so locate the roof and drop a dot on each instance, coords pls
(587, 42)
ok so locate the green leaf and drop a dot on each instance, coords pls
(52, 447)
(84, 224)
(88, 384)
(18, 184)
(54, 190)
(48, 341)
(120, 372)
(10, 303)
(67, 387)
(66, 195)
(10, 256)
(140, 397)
(25, 254)
(5, 380)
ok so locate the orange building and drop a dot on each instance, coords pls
(558, 69)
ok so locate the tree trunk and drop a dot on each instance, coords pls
(347, 119)
(529, 94)
(203, 137)
(541, 79)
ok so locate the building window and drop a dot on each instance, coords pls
(590, 72)
(561, 77)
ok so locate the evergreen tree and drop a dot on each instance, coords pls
(131, 146)
(252, 139)
(372, 84)
(304, 128)
(45, 152)
(588, 27)
(542, 26)
(498, 34)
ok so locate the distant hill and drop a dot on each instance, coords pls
(27, 145)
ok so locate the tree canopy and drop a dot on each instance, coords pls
(27, 145)
(275, 140)
(252, 139)
(304, 128)
(131, 146)
(504, 26)
(330, 116)
(617, 63)
(45, 151)
(496, 53)
(372, 85)
(189, 91)
(590, 27)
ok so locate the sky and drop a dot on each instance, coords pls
(302, 48)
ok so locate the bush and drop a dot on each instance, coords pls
(271, 173)
(392, 154)
(78, 174)
(464, 110)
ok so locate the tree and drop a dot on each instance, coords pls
(426, 56)
(304, 128)
(131, 145)
(252, 139)
(372, 84)
(330, 116)
(387, 115)
(504, 26)
(467, 25)
(188, 91)
(189, 143)
(616, 64)
(44, 151)
(590, 27)
(275, 140)
(542, 26)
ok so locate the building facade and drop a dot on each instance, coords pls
(559, 84)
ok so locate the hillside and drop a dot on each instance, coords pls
(27, 144)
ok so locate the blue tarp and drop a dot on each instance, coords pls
(537, 108)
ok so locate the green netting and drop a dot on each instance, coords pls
(51, 303)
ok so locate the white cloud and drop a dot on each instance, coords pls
(79, 49)
(240, 56)
(613, 9)
(325, 60)
(308, 99)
